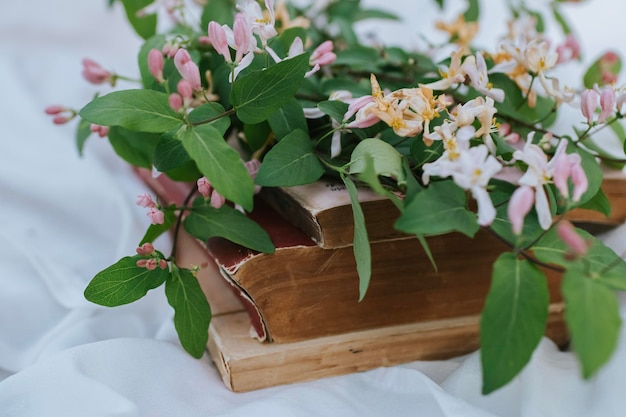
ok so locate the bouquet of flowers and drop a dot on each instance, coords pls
(253, 95)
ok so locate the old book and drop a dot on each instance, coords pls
(322, 210)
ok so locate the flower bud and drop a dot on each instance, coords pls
(588, 103)
(144, 200)
(607, 104)
(576, 244)
(175, 101)
(155, 64)
(54, 109)
(145, 249)
(187, 68)
(204, 187)
(217, 35)
(94, 73)
(519, 206)
(156, 216)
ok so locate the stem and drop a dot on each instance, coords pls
(179, 221)
(212, 119)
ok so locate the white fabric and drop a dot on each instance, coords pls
(63, 218)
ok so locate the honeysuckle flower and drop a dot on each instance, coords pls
(175, 101)
(451, 75)
(155, 64)
(217, 37)
(472, 171)
(476, 69)
(204, 187)
(188, 69)
(95, 73)
(260, 24)
(460, 31)
(61, 114)
(569, 49)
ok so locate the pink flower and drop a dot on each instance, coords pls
(162, 263)
(217, 200)
(185, 90)
(156, 215)
(155, 64)
(580, 181)
(187, 68)
(520, 204)
(144, 200)
(323, 54)
(94, 73)
(576, 244)
(55, 109)
(151, 264)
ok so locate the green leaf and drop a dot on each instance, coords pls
(592, 317)
(221, 11)
(288, 118)
(291, 162)
(361, 244)
(334, 108)
(205, 222)
(558, 17)
(551, 249)
(592, 169)
(513, 319)
(257, 135)
(219, 163)
(82, 134)
(211, 113)
(599, 203)
(365, 14)
(144, 26)
(387, 160)
(136, 148)
(169, 154)
(436, 210)
(473, 11)
(123, 282)
(140, 110)
(192, 313)
(259, 94)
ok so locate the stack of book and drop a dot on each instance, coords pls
(295, 315)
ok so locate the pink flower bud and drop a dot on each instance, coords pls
(144, 200)
(185, 90)
(54, 109)
(204, 40)
(141, 263)
(162, 263)
(562, 170)
(217, 35)
(155, 64)
(187, 68)
(217, 200)
(102, 131)
(577, 245)
(60, 120)
(151, 264)
(607, 104)
(242, 34)
(204, 187)
(588, 103)
(176, 102)
(580, 181)
(156, 215)
(145, 249)
(519, 206)
(253, 167)
(169, 50)
(94, 73)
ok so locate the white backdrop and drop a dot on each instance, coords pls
(63, 218)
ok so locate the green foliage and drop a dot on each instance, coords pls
(288, 118)
(214, 157)
(291, 162)
(599, 203)
(145, 26)
(205, 222)
(513, 319)
(82, 134)
(592, 317)
(259, 94)
(192, 313)
(361, 245)
(136, 148)
(221, 11)
(438, 209)
(386, 159)
(156, 230)
(124, 282)
(473, 11)
(138, 110)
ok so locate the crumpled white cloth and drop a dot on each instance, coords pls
(64, 218)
